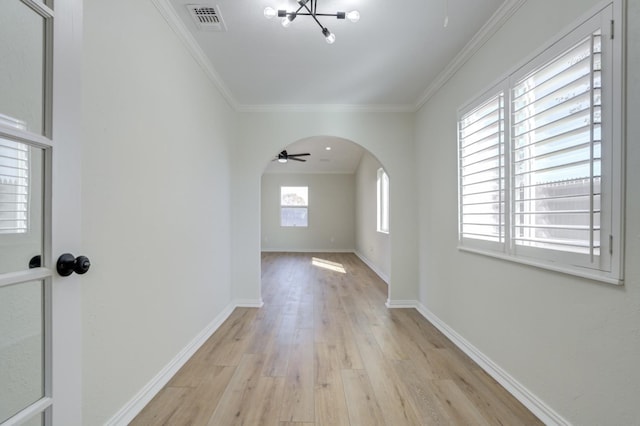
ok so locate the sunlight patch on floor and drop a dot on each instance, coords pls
(327, 264)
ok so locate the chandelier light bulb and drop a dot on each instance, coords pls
(287, 17)
(353, 16)
(286, 21)
(329, 36)
(269, 12)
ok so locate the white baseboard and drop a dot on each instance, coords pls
(384, 277)
(146, 394)
(297, 250)
(541, 410)
(400, 304)
(248, 303)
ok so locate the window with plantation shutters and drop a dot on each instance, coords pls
(540, 158)
(14, 187)
(556, 152)
(481, 156)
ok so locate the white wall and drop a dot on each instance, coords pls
(388, 136)
(155, 200)
(372, 246)
(572, 342)
(331, 213)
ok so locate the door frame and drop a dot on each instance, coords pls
(66, 211)
(61, 143)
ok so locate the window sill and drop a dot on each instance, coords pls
(591, 275)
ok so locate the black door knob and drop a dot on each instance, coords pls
(68, 264)
(35, 262)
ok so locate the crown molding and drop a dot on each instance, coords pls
(497, 20)
(169, 14)
(310, 172)
(326, 108)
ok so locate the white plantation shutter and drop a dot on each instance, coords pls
(481, 168)
(556, 153)
(541, 158)
(14, 187)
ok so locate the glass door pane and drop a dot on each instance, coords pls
(22, 346)
(21, 206)
(25, 287)
(22, 49)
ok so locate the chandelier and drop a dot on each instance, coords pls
(309, 8)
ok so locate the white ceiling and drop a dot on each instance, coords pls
(343, 157)
(390, 60)
(386, 60)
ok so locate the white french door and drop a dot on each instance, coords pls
(40, 350)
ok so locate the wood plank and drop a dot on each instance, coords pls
(265, 410)
(330, 401)
(388, 343)
(298, 403)
(228, 346)
(391, 393)
(361, 401)
(422, 394)
(238, 395)
(279, 350)
(162, 407)
(265, 328)
(201, 402)
(457, 405)
(494, 402)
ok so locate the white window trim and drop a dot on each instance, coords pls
(305, 207)
(382, 201)
(615, 165)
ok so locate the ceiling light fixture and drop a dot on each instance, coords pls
(309, 8)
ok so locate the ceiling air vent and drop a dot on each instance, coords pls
(207, 17)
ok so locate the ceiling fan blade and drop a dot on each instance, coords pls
(297, 159)
(298, 155)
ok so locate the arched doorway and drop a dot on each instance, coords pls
(333, 195)
(389, 137)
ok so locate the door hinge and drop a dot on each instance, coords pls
(613, 26)
(610, 244)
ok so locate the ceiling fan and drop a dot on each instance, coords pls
(283, 157)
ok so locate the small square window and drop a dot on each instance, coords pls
(294, 203)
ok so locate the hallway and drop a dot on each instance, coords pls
(324, 350)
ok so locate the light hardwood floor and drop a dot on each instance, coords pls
(324, 350)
